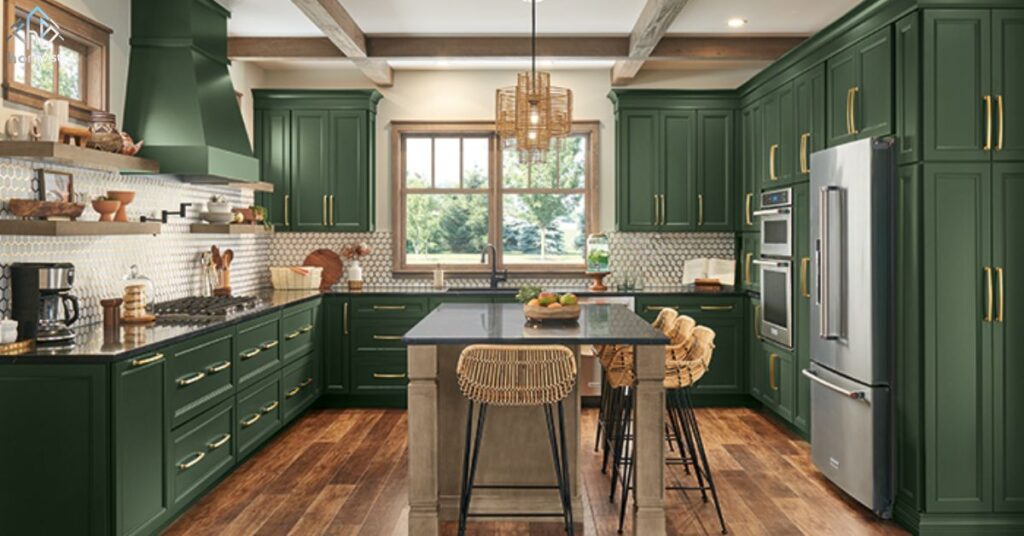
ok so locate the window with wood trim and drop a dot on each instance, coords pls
(458, 191)
(52, 52)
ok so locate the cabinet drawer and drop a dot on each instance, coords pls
(301, 384)
(202, 451)
(259, 414)
(389, 307)
(298, 332)
(258, 349)
(695, 306)
(379, 373)
(380, 334)
(199, 375)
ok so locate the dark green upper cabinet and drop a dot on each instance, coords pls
(273, 148)
(750, 132)
(809, 95)
(907, 42)
(716, 164)
(350, 201)
(638, 180)
(860, 89)
(310, 183)
(678, 188)
(1008, 83)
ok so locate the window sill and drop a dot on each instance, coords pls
(19, 93)
(417, 273)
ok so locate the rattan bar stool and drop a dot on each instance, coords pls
(520, 376)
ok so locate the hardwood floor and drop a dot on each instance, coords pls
(343, 472)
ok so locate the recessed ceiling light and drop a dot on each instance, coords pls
(736, 22)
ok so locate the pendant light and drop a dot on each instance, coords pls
(533, 114)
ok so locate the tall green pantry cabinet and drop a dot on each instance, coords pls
(317, 147)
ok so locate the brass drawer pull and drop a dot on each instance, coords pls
(746, 268)
(662, 197)
(271, 406)
(269, 344)
(213, 369)
(388, 307)
(805, 262)
(292, 335)
(286, 199)
(323, 219)
(700, 210)
(771, 162)
(250, 354)
(189, 380)
(196, 458)
(771, 372)
(1002, 120)
(657, 308)
(306, 383)
(381, 376)
(747, 217)
(306, 329)
(344, 318)
(293, 392)
(988, 295)
(387, 337)
(757, 321)
(330, 209)
(805, 153)
(657, 217)
(716, 307)
(143, 361)
(251, 420)
(988, 123)
(219, 442)
(1002, 294)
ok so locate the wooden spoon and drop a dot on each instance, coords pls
(218, 262)
(229, 255)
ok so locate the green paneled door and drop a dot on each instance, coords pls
(957, 79)
(802, 299)
(310, 170)
(756, 373)
(715, 170)
(786, 162)
(872, 103)
(728, 367)
(336, 337)
(1008, 329)
(349, 207)
(1008, 82)
(841, 77)
(273, 148)
(748, 191)
(638, 175)
(809, 95)
(750, 249)
(957, 339)
(771, 141)
(678, 206)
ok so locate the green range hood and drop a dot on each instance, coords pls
(180, 99)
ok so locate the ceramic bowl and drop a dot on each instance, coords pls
(106, 208)
(218, 207)
(217, 217)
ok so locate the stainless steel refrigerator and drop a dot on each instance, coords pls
(852, 206)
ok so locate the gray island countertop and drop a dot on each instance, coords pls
(458, 323)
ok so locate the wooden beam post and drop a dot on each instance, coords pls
(342, 30)
(650, 27)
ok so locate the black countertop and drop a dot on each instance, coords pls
(420, 290)
(465, 323)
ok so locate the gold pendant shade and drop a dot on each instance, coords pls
(531, 115)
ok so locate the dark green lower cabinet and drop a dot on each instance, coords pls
(202, 451)
(336, 335)
(802, 306)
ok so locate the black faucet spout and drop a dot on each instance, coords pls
(495, 276)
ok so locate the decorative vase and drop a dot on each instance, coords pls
(105, 136)
(106, 208)
(355, 275)
(125, 198)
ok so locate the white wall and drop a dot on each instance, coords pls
(245, 76)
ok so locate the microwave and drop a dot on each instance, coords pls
(776, 221)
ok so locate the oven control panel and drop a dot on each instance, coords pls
(777, 198)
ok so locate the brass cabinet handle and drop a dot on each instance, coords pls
(999, 136)
(388, 307)
(270, 407)
(143, 361)
(851, 107)
(805, 262)
(988, 294)
(306, 383)
(247, 355)
(189, 380)
(750, 202)
(323, 211)
(700, 209)
(663, 218)
(656, 308)
(251, 420)
(287, 198)
(716, 308)
(771, 161)
(805, 153)
(196, 458)
(988, 123)
(387, 337)
(330, 209)
(293, 392)
(213, 369)
(219, 442)
(382, 376)
(657, 218)
(344, 318)
(292, 335)
(306, 329)
(1002, 294)
(268, 345)
(757, 321)
(771, 372)
(746, 268)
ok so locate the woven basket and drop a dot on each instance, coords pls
(295, 277)
(564, 313)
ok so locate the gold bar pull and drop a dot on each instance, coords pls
(189, 380)
(805, 153)
(251, 420)
(270, 407)
(662, 196)
(746, 268)
(805, 262)
(750, 201)
(330, 209)
(771, 372)
(143, 361)
(306, 329)
(657, 219)
(757, 321)
(387, 337)
(1002, 294)
(388, 307)
(293, 392)
(292, 335)
(999, 136)
(381, 376)
(344, 318)
(219, 442)
(268, 345)
(851, 109)
(250, 354)
(716, 308)
(323, 217)
(196, 458)
(658, 308)
(700, 209)
(988, 294)
(771, 162)
(306, 383)
(287, 198)
(988, 123)
(222, 366)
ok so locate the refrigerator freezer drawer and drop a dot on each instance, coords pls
(850, 437)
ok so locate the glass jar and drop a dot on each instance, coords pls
(134, 278)
(105, 136)
(598, 251)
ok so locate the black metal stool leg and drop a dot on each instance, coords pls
(704, 458)
(683, 416)
(677, 431)
(566, 488)
(560, 468)
(612, 418)
(465, 468)
(464, 513)
(628, 475)
(621, 439)
(601, 409)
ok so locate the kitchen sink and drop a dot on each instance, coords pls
(481, 290)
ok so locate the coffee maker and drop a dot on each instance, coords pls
(42, 302)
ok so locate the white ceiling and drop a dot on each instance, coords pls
(489, 17)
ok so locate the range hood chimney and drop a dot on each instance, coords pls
(180, 99)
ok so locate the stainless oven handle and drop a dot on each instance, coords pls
(780, 264)
(771, 211)
(854, 395)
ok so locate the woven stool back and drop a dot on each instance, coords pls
(504, 375)
(691, 360)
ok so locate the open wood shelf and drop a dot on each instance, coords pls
(77, 228)
(229, 228)
(261, 186)
(70, 155)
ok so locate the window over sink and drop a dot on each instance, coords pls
(458, 191)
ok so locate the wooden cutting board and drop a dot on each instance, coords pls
(331, 264)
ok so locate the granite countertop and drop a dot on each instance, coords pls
(464, 323)
(420, 290)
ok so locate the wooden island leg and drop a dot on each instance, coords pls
(650, 447)
(423, 441)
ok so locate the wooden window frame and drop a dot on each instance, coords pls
(400, 131)
(80, 33)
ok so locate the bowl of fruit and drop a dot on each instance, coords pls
(541, 306)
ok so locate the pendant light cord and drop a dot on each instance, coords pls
(533, 39)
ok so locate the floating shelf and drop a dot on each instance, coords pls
(261, 186)
(76, 228)
(71, 155)
(229, 228)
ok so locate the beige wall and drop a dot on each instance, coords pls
(452, 95)
(245, 77)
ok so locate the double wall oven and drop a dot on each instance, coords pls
(776, 265)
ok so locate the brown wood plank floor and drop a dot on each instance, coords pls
(342, 472)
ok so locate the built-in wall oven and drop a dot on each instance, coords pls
(776, 266)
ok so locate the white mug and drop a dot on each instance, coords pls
(19, 127)
(46, 128)
(57, 108)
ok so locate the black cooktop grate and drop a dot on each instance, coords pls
(203, 306)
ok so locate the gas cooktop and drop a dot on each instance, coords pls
(201, 308)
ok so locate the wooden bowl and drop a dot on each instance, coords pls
(564, 313)
(125, 197)
(31, 208)
(106, 208)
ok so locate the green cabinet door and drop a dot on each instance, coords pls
(841, 78)
(771, 140)
(748, 189)
(957, 341)
(336, 337)
(755, 362)
(802, 303)
(907, 72)
(273, 148)
(310, 184)
(809, 98)
(750, 250)
(957, 80)
(786, 158)
(1008, 328)
(769, 380)
(872, 102)
(140, 427)
(1008, 83)
(715, 170)
(726, 373)
(350, 203)
(678, 204)
(638, 178)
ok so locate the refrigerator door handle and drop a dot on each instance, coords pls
(854, 395)
(825, 260)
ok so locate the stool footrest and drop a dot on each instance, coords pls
(516, 514)
(514, 486)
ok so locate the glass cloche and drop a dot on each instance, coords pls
(134, 278)
(597, 253)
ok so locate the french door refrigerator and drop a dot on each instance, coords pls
(852, 205)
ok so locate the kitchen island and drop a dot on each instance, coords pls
(515, 449)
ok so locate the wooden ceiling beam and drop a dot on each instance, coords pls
(262, 48)
(335, 22)
(650, 27)
(497, 47)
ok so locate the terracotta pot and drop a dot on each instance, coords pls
(106, 208)
(125, 198)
